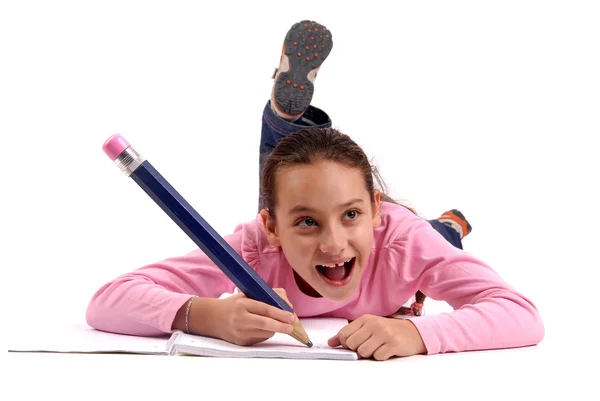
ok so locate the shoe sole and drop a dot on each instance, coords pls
(307, 44)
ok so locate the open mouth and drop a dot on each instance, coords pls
(337, 274)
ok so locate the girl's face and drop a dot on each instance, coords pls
(324, 225)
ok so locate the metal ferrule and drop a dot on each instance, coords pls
(129, 160)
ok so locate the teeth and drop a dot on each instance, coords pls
(332, 266)
(337, 265)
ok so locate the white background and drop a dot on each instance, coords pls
(491, 108)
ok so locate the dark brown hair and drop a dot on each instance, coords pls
(315, 144)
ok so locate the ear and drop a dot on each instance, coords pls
(376, 206)
(270, 227)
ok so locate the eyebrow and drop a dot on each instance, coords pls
(306, 209)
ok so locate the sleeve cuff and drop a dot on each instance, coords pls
(429, 331)
(170, 311)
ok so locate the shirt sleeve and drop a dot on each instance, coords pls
(144, 302)
(488, 313)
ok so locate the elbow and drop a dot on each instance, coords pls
(524, 325)
(116, 308)
(107, 307)
(91, 317)
(94, 312)
(529, 326)
(537, 330)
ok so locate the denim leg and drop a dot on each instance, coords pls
(274, 128)
(451, 235)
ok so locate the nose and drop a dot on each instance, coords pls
(333, 240)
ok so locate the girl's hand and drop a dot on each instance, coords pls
(244, 321)
(380, 337)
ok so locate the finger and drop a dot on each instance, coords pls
(258, 322)
(254, 341)
(383, 353)
(357, 338)
(367, 348)
(348, 330)
(334, 341)
(281, 292)
(252, 337)
(260, 334)
(263, 309)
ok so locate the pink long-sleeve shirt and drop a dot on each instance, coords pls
(407, 255)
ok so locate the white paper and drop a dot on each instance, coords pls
(84, 339)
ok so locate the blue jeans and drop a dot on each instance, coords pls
(275, 128)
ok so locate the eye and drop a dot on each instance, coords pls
(308, 222)
(352, 214)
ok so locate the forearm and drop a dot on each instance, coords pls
(135, 308)
(202, 316)
(501, 320)
(146, 301)
(488, 312)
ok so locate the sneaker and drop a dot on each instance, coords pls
(455, 219)
(306, 45)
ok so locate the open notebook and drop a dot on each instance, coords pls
(279, 346)
(84, 339)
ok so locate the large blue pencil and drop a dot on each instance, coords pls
(183, 214)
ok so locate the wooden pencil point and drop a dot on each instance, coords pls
(300, 334)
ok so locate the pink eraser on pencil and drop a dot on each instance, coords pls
(114, 146)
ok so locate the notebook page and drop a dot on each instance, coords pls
(279, 346)
(319, 331)
(84, 339)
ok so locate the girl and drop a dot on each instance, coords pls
(332, 244)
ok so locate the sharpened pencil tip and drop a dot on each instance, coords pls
(309, 344)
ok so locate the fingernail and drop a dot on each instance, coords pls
(292, 319)
(290, 330)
